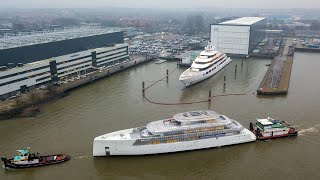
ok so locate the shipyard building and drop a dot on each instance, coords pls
(28, 47)
(238, 37)
(41, 62)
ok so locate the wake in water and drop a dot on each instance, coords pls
(308, 130)
(82, 157)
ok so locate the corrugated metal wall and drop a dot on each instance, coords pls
(231, 39)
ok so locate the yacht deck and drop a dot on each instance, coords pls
(197, 116)
(189, 73)
(188, 121)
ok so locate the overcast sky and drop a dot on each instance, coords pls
(283, 4)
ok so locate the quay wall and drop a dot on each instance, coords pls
(277, 78)
(262, 56)
(316, 50)
(15, 107)
(96, 75)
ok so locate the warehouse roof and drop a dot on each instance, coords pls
(13, 40)
(243, 21)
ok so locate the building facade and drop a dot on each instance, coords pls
(29, 47)
(76, 63)
(238, 37)
(29, 76)
(108, 56)
(23, 79)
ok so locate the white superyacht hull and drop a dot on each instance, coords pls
(125, 146)
(205, 74)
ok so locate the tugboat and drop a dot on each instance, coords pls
(271, 128)
(25, 159)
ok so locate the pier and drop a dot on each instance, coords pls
(277, 78)
(102, 73)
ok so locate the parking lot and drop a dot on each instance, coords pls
(269, 46)
(164, 43)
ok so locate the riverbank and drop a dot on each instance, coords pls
(24, 105)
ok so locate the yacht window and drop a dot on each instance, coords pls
(195, 113)
(210, 71)
(201, 62)
(206, 72)
(202, 69)
(145, 132)
(222, 62)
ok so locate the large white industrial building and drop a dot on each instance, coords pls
(29, 76)
(76, 63)
(238, 37)
(22, 78)
(107, 56)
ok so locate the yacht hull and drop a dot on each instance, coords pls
(125, 147)
(205, 74)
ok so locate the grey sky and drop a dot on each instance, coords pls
(283, 4)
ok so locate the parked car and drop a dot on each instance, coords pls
(57, 83)
(42, 87)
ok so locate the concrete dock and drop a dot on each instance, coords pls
(277, 78)
(303, 48)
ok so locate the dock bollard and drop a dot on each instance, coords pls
(235, 69)
(143, 88)
(224, 83)
(167, 74)
(209, 96)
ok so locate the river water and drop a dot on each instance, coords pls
(69, 125)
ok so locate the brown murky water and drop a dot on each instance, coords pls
(69, 125)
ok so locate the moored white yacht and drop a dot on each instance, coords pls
(185, 131)
(204, 66)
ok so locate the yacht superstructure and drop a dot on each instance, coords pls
(184, 131)
(204, 66)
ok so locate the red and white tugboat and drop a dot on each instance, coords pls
(271, 128)
(25, 159)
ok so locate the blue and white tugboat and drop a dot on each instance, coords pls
(25, 159)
